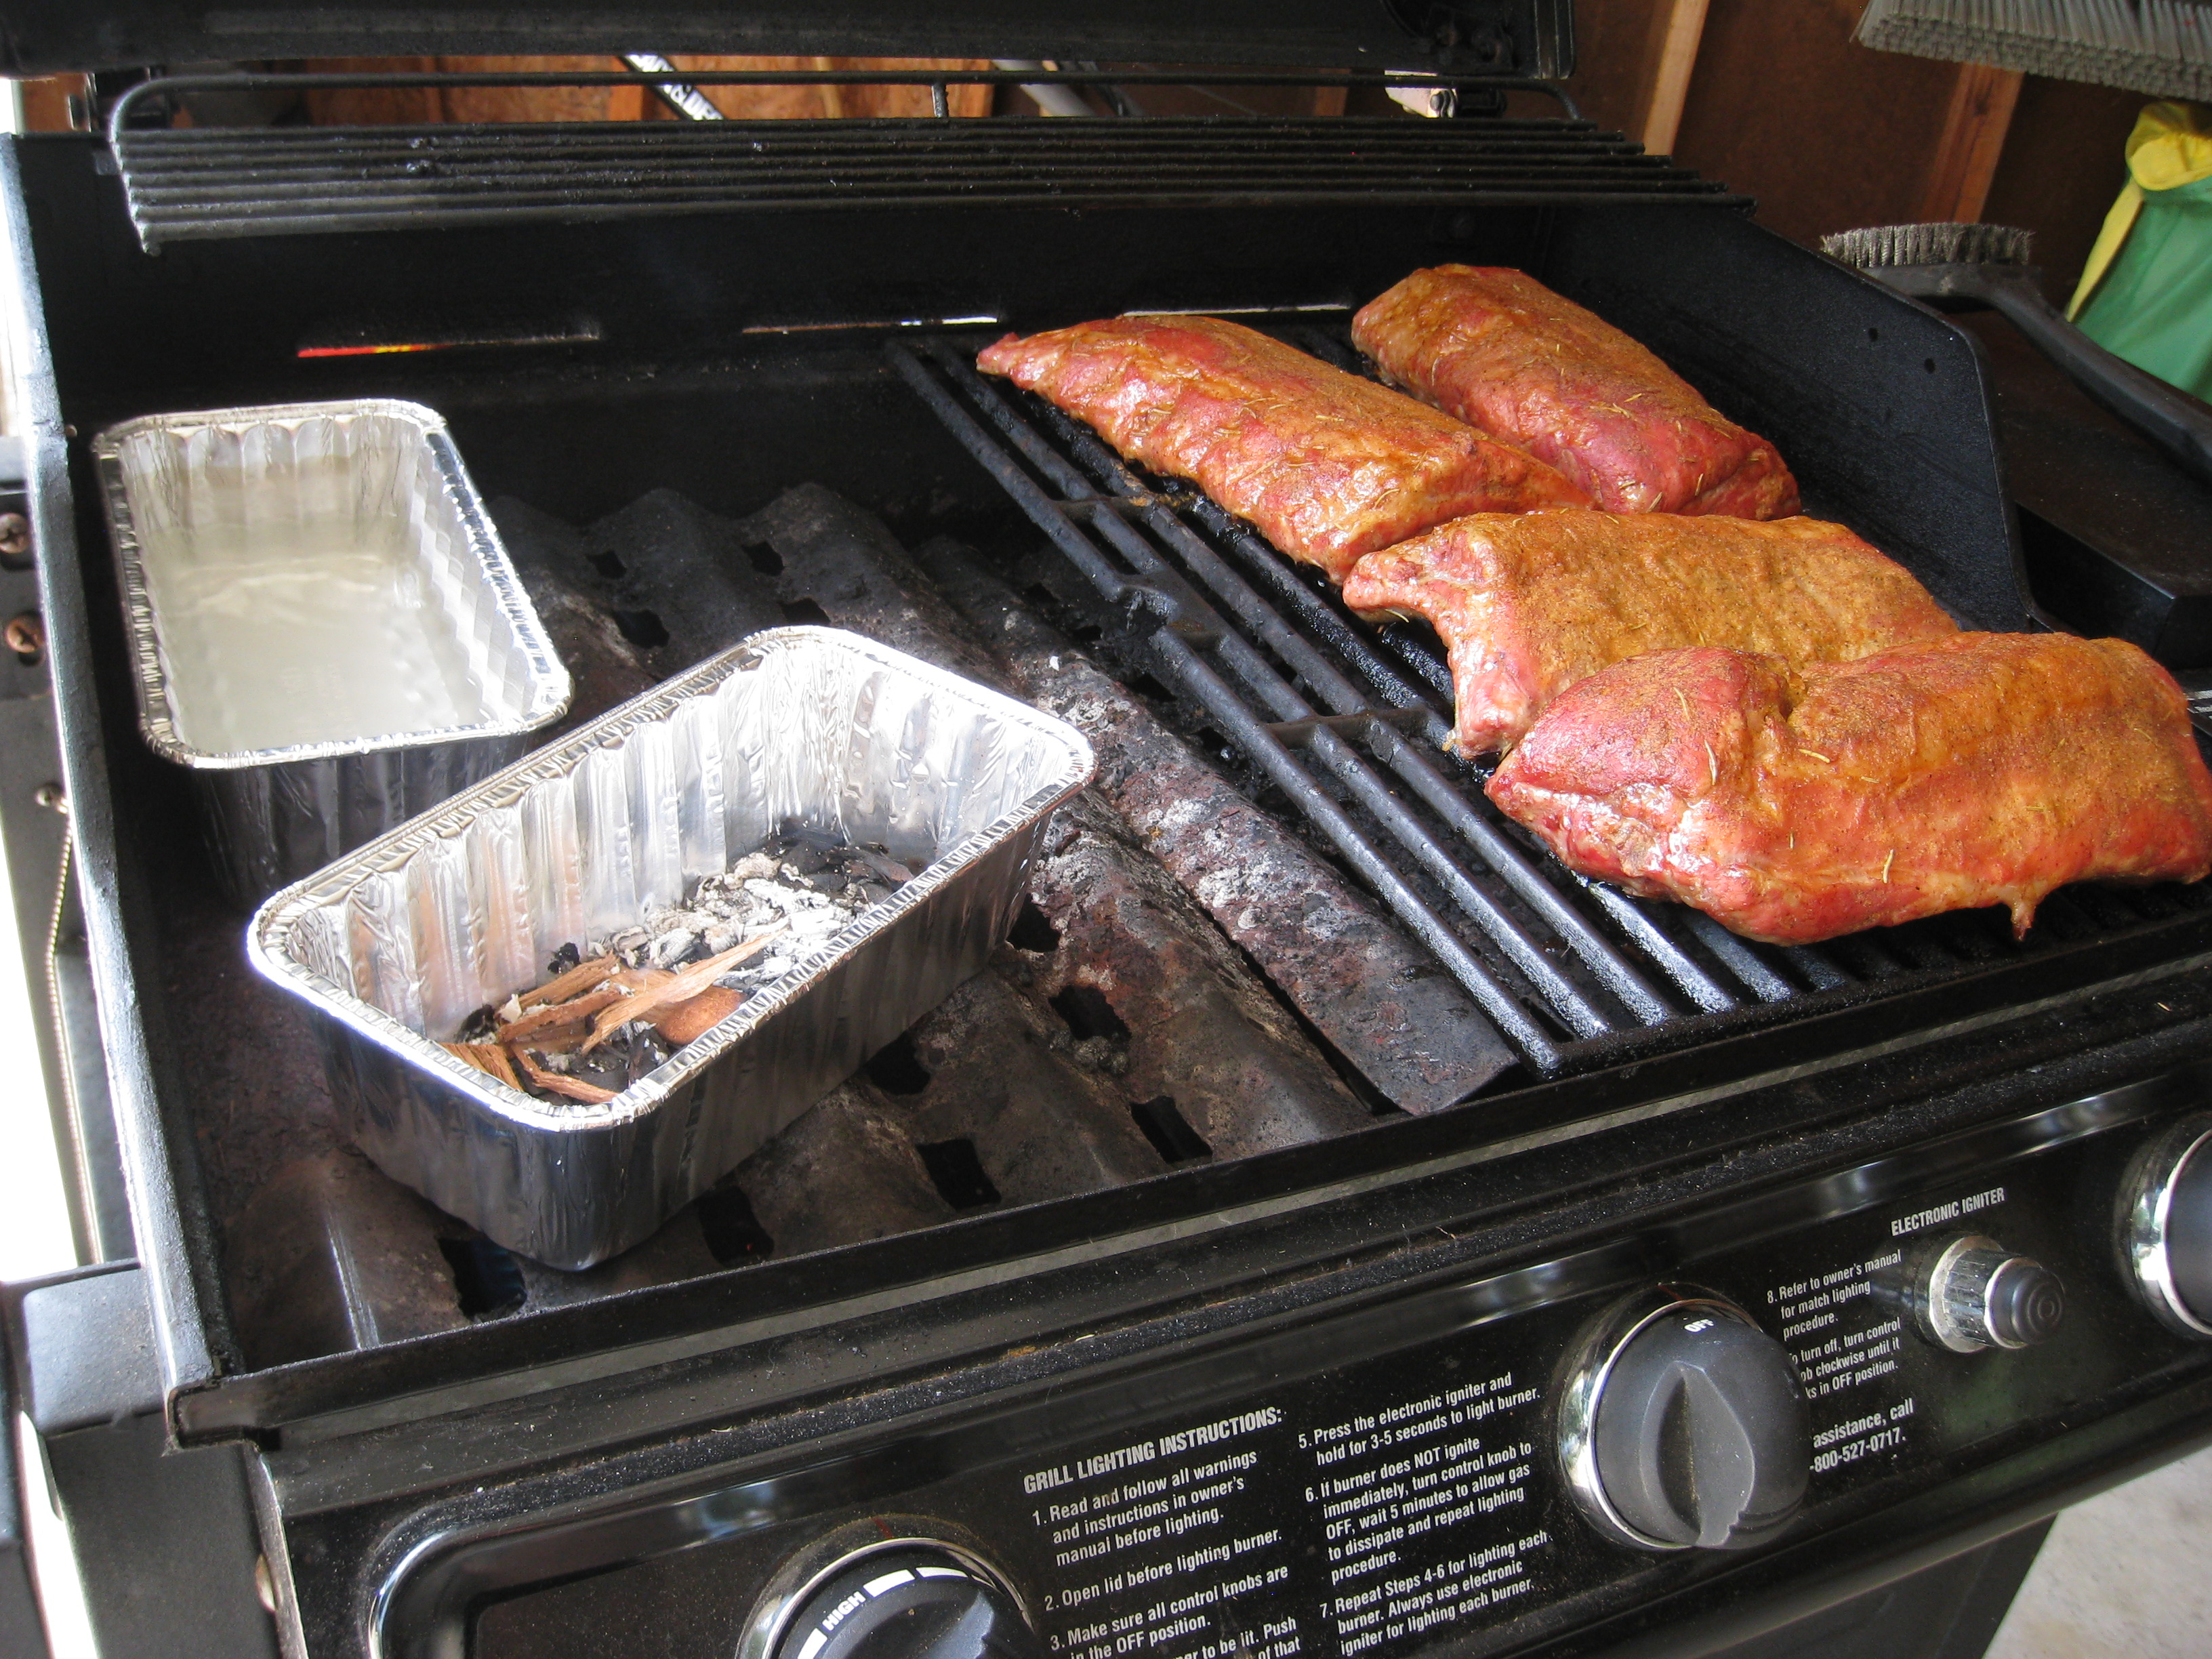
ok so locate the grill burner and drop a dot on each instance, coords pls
(1575, 974)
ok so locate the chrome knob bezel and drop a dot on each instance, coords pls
(1961, 1323)
(2145, 1213)
(803, 1574)
(1589, 1365)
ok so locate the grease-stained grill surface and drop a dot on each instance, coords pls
(1111, 1039)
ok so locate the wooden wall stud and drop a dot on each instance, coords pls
(1966, 155)
(1677, 28)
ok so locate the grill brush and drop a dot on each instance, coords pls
(1989, 263)
(2162, 47)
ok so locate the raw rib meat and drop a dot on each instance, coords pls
(1530, 605)
(1329, 466)
(1504, 353)
(1795, 805)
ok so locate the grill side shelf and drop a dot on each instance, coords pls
(1344, 719)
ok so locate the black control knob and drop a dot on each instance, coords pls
(1684, 1426)
(2165, 1227)
(861, 1596)
(1972, 1293)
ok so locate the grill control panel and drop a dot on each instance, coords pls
(1498, 1459)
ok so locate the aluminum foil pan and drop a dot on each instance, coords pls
(324, 627)
(806, 729)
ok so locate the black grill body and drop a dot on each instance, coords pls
(1685, 1105)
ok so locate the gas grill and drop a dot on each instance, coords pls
(1327, 1227)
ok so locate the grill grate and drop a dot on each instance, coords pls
(187, 183)
(1345, 718)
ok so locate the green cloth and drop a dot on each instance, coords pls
(2151, 302)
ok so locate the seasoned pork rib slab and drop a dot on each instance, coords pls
(1793, 805)
(1504, 353)
(1329, 466)
(1530, 605)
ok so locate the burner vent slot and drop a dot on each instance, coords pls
(895, 1068)
(1169, 1130)
(1089, 1014)
(733, 1233)
(487, 1280)
(957, 1173)
(641, 629)
(1033, 930)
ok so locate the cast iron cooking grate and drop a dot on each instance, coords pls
(1345, 719)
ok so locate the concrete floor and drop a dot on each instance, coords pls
(2128, 1572)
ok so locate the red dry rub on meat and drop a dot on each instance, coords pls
(1530, 603)
(1504, 353)
(1329, 466)
(1793, 805)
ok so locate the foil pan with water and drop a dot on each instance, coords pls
(324, 627)
(805, 731)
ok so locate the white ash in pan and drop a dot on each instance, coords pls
(614, 1009)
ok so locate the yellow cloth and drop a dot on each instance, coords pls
(2171, 146)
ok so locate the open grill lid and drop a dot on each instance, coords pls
(1482, 37)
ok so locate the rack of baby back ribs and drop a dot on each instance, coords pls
(1658, 680)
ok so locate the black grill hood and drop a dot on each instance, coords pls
(1473, 37)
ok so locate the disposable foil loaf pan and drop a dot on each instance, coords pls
(324, 625)
(798, 730)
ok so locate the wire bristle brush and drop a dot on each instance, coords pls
(2162, 47)
(1930, 245)
(1989, 263)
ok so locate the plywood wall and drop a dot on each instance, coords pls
(1827, 134)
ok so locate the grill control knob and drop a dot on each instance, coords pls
(2165, 1227)
(1974, 1294)
(1684, 1425)
(861, 1595)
